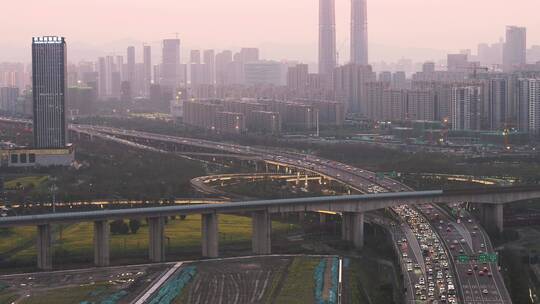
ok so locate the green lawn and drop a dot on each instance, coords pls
(15, 237)
(25, 182)
(8, 297)
(366, 275)
(299, 284)
(76, 242)
(68, 295)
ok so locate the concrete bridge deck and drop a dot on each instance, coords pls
(351, 207)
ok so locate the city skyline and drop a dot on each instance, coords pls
(293, 38)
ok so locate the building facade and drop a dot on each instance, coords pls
(49, 92)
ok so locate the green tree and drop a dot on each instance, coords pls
(134, 225)
(119, 227)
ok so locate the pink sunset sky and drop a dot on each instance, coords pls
(290, 24)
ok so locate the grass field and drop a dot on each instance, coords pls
(15, 237)
(7, 297)
(367, 276)
(75, 242)
(75, 294)
(299, 285)
(25, 182)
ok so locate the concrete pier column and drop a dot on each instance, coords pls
(261, 235)
(323, 218)
(101, 243)
(44, 248)
(491, 217)
(352, 228)
(301, 216)
(210, 235)
(156, 234)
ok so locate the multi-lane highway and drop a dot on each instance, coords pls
(412, 234)
(423, 228)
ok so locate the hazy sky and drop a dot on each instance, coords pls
(284, 28)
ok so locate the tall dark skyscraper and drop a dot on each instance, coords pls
(327, 37)
(359, 32)
(49, 91)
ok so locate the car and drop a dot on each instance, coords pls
(482, 245)
(485, 291)
(481, 273)
(469, 271)
(475, 267)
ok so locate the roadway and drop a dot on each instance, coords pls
(360, 180)
(467, 237)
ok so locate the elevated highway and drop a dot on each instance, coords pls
(351, 207)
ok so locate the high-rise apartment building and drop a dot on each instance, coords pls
(457, 62)
(327, 37)
(359, 32)
(249, 55)
(130, 64)
(8, 99)
(498, 99)
(529, 105)
(102, 75)
(349, 86)
(298, 77)
(147, 69)
(223, 61)
(49, 91)
(209, 59)
(515, 48)
(465, 107)
(170, 66)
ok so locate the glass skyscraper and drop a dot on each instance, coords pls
(49, 92)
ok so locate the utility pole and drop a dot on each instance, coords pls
(53, 190)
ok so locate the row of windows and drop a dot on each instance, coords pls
(23, 158)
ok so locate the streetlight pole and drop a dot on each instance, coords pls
(53, 190)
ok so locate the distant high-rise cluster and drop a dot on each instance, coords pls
(495, 89)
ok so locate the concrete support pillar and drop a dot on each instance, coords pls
(44, 247)
(491, 217)
(210, 235)
(352, 228)
(101, 243)
(156, 234)
(261, 235)
(322, 218)
(301, 216)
